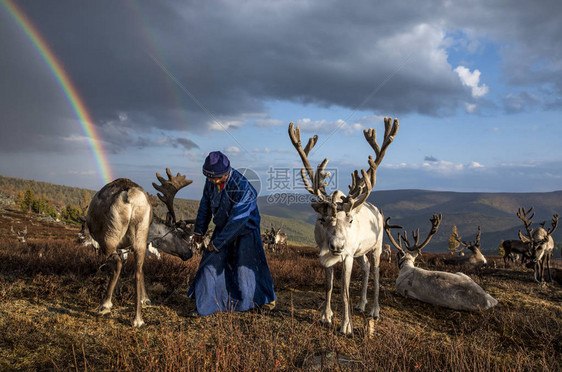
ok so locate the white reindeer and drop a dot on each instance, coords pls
(541, 243)
(475, 260)
(347, 226)
(280, 239)
(120, 221)
(455, 291)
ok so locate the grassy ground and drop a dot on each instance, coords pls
(50, 288)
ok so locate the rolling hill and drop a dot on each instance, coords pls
(494, 212)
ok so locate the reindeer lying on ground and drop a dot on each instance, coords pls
(474, 260)
(347, 227)
(541, 243)
(455, 291)
(120, 220)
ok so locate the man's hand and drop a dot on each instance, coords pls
(197, 239)
(211, 247)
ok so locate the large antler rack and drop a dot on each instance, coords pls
(554, 224)
(472, 245)
(416, 246)
(317, 183)
(169, 188)
(361, 186)
(527, 221)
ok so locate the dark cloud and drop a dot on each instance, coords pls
(430, 158)
(224, 59)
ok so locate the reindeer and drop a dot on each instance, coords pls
(280, 240)
(513, 247)
(474, 260)
(387, 252)
(21, 235)
(540, 241)
(347, 227)
(266, 240)
(120, 220)
(455, 291)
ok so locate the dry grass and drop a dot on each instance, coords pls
(51, 287)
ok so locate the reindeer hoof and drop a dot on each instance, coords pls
(138, 323)
(102, 310)
(347, 331)
(146, 303)
(360, 307)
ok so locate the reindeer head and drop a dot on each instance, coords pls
(172, 236)
(413, 249)
(537, 238)
(473, 246)
(336, 211)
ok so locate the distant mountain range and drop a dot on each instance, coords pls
(494, 212)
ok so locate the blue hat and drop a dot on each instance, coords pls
(216, 165)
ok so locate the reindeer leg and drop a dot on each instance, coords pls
(375, 310)
(346, 326)
(326, 316)
(548, 267)
(139, 276)
(145, 301)
(366, 266)
(106, 304)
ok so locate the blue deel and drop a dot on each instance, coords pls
(237, 277)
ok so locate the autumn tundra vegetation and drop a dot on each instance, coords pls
(426, 314)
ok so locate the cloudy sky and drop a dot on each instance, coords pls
(476, 85)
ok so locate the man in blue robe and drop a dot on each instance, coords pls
(233, 274)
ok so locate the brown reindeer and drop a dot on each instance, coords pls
(120, 221)
(513, 248)
(541, 243)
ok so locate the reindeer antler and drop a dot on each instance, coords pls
(416, 246)
(361, 187)
(471, 245)
(527, 221)
(387, 227)
(554, 224)
(169, 188)
(317, 184)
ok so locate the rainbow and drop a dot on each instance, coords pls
(67, 86)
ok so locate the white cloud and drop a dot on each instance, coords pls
(325, 126)
(225, 125)
(471, 80)
(232, 150)
(436, 166)
(474, 165)
(470, 107)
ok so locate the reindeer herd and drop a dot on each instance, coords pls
(120, 220)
